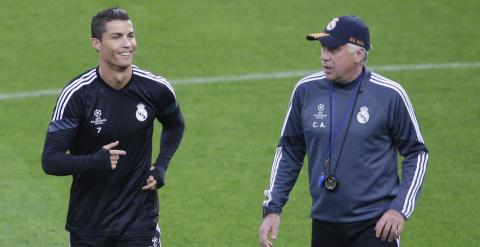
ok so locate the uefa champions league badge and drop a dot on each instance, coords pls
(320, 115)
(363, 116)
(97, 113)
(98, 120)
(155, 242)
(141, 113)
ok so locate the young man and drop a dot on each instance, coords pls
(351, 122)
(101, 134)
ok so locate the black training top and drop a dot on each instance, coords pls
(90, 114)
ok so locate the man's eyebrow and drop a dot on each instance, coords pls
(121, 33)
(115, 34)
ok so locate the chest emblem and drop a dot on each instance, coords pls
(320, 114)
(155, 242)
(141, 113)
(363, 116)
(98, 118)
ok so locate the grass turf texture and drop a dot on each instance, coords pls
(215, 184)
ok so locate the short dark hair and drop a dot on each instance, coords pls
(104, 16)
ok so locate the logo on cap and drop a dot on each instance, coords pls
(331, 25)
(342, 30)
(356, 41)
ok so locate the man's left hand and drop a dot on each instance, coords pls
(151, 182)
(390, 225)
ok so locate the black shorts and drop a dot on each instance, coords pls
(357, 234)
(146, 238)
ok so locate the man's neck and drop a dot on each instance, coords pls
(117, 78)
(355, 74)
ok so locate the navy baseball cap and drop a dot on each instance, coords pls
(342, 30)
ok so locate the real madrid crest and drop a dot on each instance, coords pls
(363, 116)
(141, 113)
(331, 25)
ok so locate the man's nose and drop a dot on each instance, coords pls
(325, 55)
(126, 42)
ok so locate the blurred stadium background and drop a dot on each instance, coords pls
(233, 65)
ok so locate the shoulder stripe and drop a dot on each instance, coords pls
(313, 77)
(159, 79)
(414, 188)
(316, 76)
(68, 91)
(382, 81)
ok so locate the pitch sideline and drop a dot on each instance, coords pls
(264, 76)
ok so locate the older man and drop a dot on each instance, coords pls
(351, 123)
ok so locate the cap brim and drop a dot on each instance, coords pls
(326, 39)
(316, 36)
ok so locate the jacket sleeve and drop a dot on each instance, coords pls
(288, 158)
(408, 140)
(172, 133)
(60, 137)
(173, 126)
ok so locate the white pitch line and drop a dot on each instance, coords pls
(29, 94)
(265, 76)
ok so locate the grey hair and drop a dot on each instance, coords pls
(354, 48)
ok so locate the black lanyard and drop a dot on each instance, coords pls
(330, 179)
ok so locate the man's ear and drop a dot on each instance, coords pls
(97, 44)
(359, 55)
